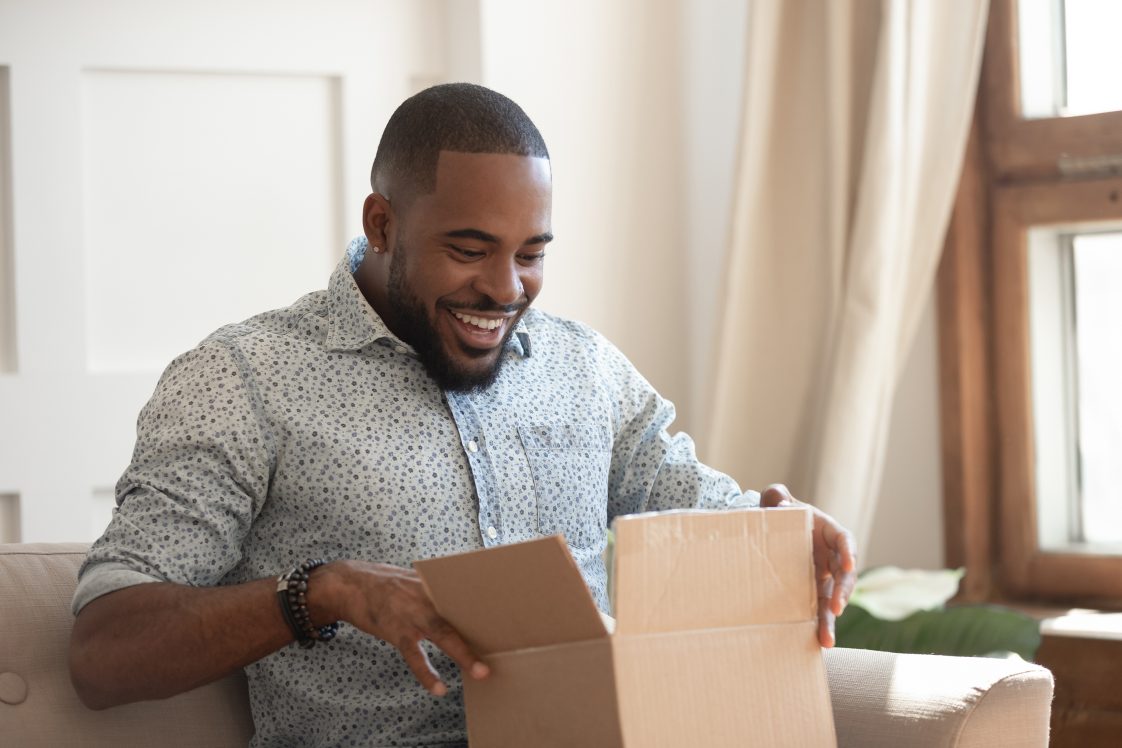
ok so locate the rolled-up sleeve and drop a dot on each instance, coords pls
(653, 470)
(198, 477)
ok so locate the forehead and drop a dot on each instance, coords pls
(493, 187)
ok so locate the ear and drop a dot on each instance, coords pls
(377, 215)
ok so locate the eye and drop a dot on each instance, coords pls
(532, 259)
(469, 254)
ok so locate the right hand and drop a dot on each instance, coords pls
(390, 603)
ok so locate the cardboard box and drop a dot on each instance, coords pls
(715, 642)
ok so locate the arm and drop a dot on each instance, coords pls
(197, 481)
(156, 640)
(653, 471)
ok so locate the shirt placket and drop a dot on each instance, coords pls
(480, 462)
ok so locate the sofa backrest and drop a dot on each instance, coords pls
(38, 706)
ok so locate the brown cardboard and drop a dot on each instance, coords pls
(718, 569)
(715, 643)
(514, 596)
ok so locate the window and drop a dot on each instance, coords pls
(1031, 312)
(1075, 348)
(1097, 280)
(1067, 53)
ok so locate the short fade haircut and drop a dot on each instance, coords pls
(461, 117)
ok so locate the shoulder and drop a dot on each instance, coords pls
(304, 320)
(236, 348)
(306, 317)
(565, 340)
(552, 329)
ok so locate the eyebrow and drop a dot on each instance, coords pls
(483, 236)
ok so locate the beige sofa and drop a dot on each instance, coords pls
(879, 699)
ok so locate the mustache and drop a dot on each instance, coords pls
(489, 305)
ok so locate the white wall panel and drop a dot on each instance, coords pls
(175, 167)
(7, 283)
(208, 198)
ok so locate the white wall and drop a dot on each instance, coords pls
(908, 527)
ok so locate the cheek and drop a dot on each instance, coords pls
(437, 280)
(532, 282)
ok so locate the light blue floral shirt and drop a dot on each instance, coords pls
(312, 432)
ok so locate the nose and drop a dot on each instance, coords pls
(499, 279)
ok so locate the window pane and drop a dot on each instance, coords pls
(1098, 316)
(1070, 55)
(1093, 54)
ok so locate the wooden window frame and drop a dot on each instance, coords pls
(1017, 174)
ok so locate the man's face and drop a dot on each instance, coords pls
(467, 261)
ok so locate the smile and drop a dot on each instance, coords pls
(482, 323)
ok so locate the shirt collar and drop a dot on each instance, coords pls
(354, 324)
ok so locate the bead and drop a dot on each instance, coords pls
(293, 601)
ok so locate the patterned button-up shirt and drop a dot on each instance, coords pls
(312, 432)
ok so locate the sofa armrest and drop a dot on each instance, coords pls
(38, 706)
(888, 699)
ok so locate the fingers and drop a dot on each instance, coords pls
(826, 611)
(843, 589)
(441, 633)
(776, 495)
(835, 561)
(418, 662)
(395, 608)
(839, 541)
(826, 619)
(837, 558)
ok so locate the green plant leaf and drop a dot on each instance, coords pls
(971, 630)
(893, 594)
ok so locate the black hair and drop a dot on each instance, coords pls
(460, 117)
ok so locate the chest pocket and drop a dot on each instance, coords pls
(569, 463)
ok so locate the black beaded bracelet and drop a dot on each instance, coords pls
(292, 590)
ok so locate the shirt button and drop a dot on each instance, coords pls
(492, 533)
(472, 446)
(401, 349)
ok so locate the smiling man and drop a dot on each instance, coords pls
(453, 289)
(290, 469)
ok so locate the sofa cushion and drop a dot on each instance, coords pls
(36, 584)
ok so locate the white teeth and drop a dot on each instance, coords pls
(480, 322)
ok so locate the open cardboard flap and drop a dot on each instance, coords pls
(716, 630)
(687, 570)
(514, 596)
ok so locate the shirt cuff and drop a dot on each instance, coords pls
(747, 499)
(103, 578)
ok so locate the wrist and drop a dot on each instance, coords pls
(325, 598)
(293, 590)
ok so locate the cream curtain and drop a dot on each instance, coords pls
(855, 123)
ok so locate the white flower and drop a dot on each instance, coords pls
(892, 594)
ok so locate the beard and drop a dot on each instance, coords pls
(417, 328)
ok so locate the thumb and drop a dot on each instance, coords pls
(776, 495)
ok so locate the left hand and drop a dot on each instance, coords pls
(835, 560)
